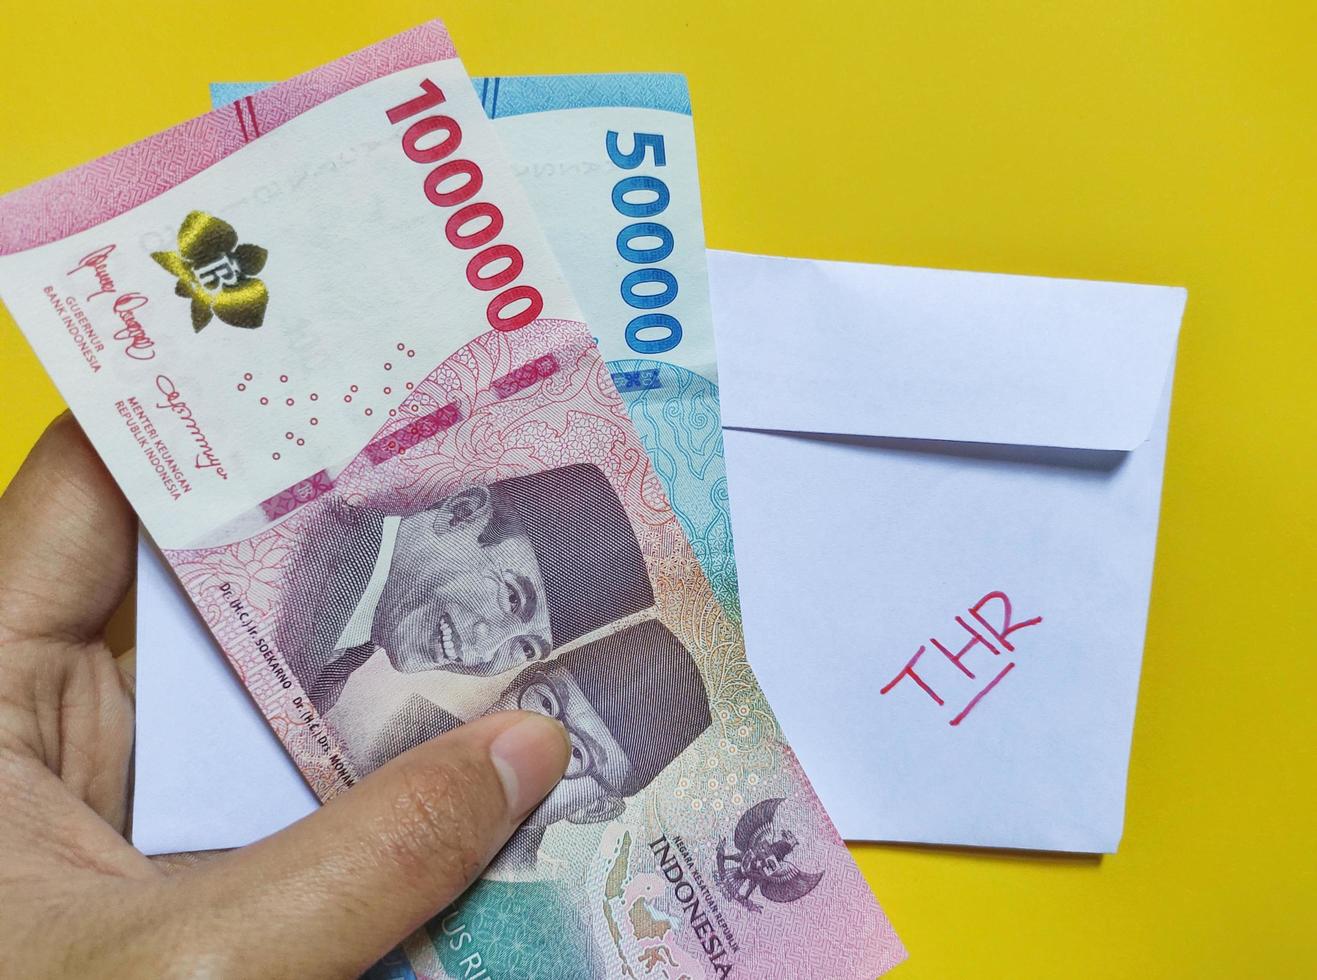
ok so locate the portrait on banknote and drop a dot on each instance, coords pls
(481, 582)
(604, 692)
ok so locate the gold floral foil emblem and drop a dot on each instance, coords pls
(216, 273)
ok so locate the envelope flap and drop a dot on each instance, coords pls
(837, 347)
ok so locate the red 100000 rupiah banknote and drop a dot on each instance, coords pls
(320, 342)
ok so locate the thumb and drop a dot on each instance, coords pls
(333, 893)
(66, 540)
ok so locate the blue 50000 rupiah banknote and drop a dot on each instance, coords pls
(321, 343)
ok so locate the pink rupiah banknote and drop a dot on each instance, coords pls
(321, 344)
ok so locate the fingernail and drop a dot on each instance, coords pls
(530, 757)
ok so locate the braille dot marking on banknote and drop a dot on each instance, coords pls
(353, 396)
(289, 402)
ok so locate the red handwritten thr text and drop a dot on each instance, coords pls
(993, 624)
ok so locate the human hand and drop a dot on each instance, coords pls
(326, 897)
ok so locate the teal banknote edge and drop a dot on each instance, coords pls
(522, 94)
(519, 95)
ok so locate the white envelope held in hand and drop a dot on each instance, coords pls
(945, 491)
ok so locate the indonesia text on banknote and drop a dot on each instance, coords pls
(322, 346)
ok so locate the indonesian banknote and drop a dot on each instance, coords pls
(319, 340)
(649, 308)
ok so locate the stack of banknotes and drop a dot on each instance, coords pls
(411, 378)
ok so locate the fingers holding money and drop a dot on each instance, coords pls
(327, 897)
(336, 891)
(66, 562)
(66, 541)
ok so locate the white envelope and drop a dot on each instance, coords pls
(900, 443)
(208, 771)
(905, 448)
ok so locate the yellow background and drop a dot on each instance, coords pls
(1123, 139)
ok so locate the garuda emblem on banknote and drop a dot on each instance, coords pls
(761, 862)
(217, 273)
